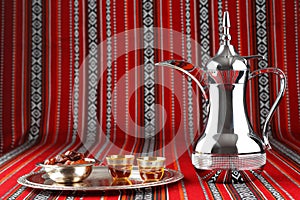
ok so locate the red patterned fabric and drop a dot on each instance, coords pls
(80, 75)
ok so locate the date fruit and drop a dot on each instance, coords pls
(68, 158)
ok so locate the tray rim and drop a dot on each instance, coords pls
(175, 176)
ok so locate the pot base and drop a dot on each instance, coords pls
(229, 168)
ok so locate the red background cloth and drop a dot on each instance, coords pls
(80, 75)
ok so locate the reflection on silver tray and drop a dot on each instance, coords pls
(100, 179)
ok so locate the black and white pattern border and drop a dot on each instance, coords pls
(149, 77)
(204, 44)
(189, 58)
(262, 49)
(109, 77)
(220, 18)
(267, 185)
(36, 69)
(76, 67)
(92, 73)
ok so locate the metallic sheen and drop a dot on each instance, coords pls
(99, 180)
(229, 150)
(69, 173)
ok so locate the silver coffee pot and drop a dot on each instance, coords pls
(228, 150)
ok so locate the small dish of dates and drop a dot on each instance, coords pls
(70, 167)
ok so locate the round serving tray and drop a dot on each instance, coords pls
(99, 179)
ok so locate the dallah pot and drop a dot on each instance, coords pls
(228, 150)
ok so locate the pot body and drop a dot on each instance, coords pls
(228, 150)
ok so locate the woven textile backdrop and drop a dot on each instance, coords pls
(78, 74)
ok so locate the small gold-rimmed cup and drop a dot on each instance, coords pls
(120, 166)
(151, 168)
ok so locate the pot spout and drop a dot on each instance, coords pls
(188, 69)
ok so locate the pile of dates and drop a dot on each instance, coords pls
(68, 158)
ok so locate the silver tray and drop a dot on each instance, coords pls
(99, 179)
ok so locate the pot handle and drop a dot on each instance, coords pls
(282, 77)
